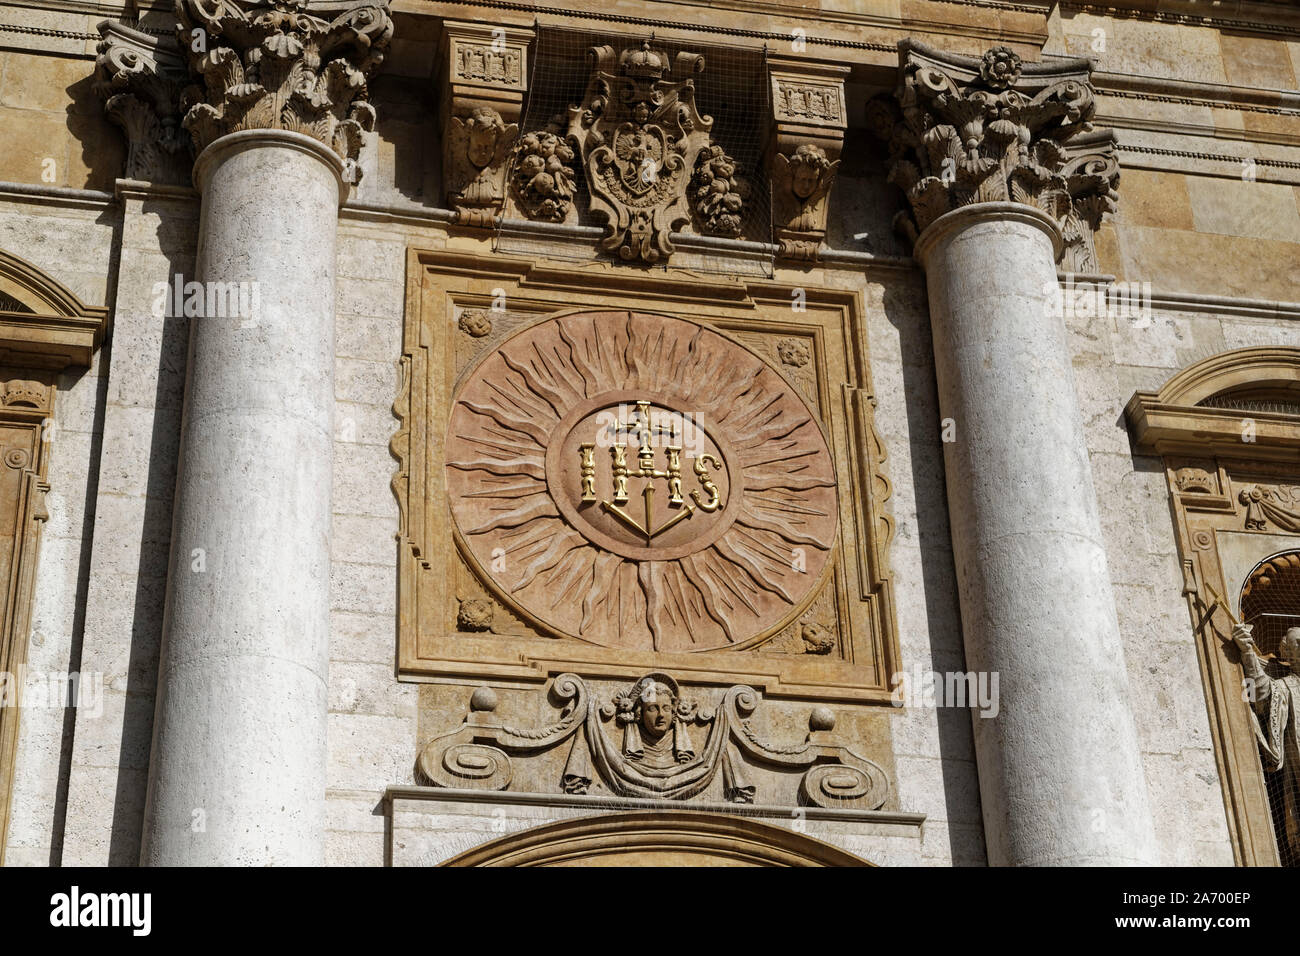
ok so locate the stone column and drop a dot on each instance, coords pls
(1005, 177)
(237, 771)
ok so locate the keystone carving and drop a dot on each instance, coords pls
(641, 140)
(272, 65)
(139, 78)
(994, 129)
(653, 741)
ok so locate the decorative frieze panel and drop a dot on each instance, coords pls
(654, 739)
(995, 129)
(597, 486)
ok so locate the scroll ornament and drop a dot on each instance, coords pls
(271, 65)
(993, 129)
(139, 80)
(643, 143)
(650, 741)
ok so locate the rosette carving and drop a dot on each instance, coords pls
(272, 65)
(967, 130)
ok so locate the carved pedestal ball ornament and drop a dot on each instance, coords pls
(640, 481)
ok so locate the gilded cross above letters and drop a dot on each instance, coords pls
(568, 422)
(641, 426)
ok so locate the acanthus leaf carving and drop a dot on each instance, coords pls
(139, 78)
(651, 741)
(268, 64)
(994, 129)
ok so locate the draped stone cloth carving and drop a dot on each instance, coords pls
(1263, 505)
(479, 754)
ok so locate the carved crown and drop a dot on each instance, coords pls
(643, 63)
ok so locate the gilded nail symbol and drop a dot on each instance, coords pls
(640, 427)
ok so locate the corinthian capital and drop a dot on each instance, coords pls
(271, 65)
(140, 81)
(995, 129)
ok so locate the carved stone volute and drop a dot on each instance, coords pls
(139, 78)
(994, 129)
(271, 65)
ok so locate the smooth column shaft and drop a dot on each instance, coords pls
(237, 774)
(1061, 776)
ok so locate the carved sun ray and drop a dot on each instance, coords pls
(684, 570)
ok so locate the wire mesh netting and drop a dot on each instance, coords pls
(1270, 602)
(733, 90)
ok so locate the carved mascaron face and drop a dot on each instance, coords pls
(658, 707)
(804, 180)
(482, 143)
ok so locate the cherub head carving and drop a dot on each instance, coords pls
(484, 129)
(807, 167)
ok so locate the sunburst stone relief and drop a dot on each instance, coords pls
(641, 481)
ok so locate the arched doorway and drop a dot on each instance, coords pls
(657, 838)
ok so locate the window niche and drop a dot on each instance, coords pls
(1228, 431)
(44, 329)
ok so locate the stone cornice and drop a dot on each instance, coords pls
(970, 130)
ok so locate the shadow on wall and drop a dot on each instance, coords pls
(939, 581)
(103, 147)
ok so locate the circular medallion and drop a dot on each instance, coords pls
(637, 480)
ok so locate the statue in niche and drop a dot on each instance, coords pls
(1274, 701)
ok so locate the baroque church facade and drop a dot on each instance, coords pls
(477, 432)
